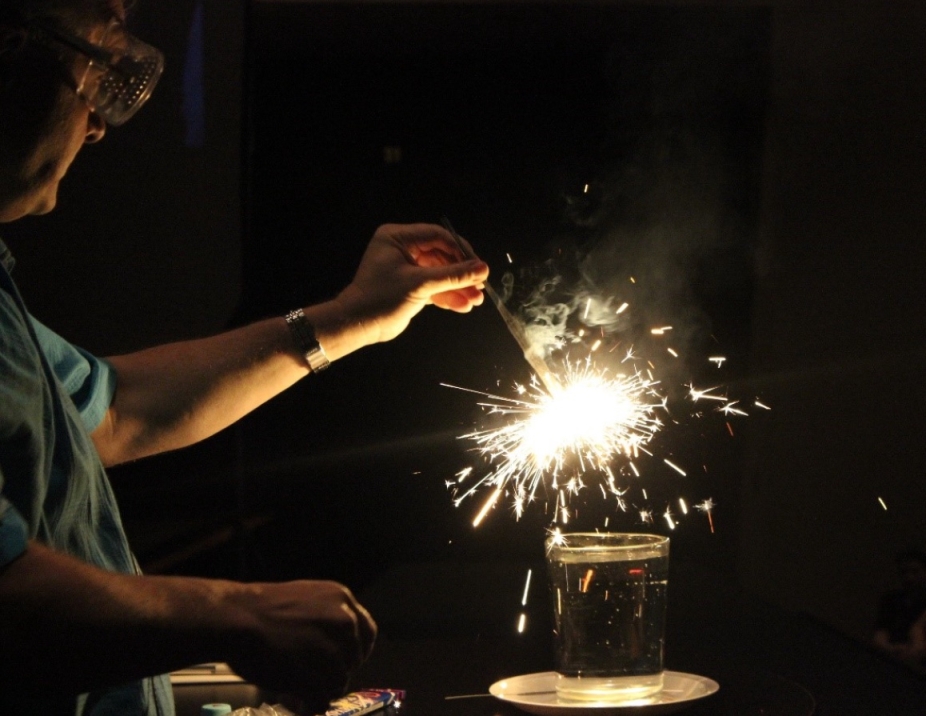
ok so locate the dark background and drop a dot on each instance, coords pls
(761, 169)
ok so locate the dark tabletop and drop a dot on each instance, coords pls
(449, 630)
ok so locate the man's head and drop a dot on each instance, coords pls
(66, 67)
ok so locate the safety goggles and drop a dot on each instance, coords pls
(121, 71)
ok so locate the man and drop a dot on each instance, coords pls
(900, 630)
(80, 629)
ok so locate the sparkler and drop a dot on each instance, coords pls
(531, 355)
(564, 428)
(592, 419)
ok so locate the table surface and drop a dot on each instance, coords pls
(432, 670)
(449, 630)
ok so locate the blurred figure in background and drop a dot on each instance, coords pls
(900, 630)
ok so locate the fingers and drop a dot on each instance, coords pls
(311, 637)
(355, 630)
(461, 301)
(426, 244)
(457, 287)
(367, 630)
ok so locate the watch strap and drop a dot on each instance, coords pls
(305, 340)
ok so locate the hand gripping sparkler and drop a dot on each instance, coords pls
(515, 327)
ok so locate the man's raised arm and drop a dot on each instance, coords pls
(174, 395)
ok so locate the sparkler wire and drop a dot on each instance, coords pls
(514, 326)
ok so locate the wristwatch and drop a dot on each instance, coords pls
(306, 342)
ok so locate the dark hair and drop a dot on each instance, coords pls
(73, 15)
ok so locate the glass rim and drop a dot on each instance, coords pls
(606, 540)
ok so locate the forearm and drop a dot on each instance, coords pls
(174, 395)
(92, 628)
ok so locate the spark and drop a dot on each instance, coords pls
(557, 538)
(707, 507)
(668, 517)
(594, 419)
(583, 584)
(595, 346)
(660, 331)
(672, 352)
(487, 506)
(623, 307)
(675, 467)
(717, 360)
(522, 620)
(646, 516)
(527, 585)
(464, 473)
(508, 256)
(632, 280)
(697, 395)
(585, 191)
(683, 505)
(761, 405)
(882, 504)
(588, 306)
(634, 468)
(728, 409)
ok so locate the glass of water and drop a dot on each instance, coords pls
(609, 608)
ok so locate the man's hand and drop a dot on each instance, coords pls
(303, 638)
(406, 267)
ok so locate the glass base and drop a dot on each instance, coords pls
(608, 689)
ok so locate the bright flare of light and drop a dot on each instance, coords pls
(595, 418)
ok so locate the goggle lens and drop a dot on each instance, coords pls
(119, 87)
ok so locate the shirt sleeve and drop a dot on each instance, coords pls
(90, 381)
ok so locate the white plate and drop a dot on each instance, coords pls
(536, 694)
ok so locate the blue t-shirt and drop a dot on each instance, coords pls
(53, 487)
